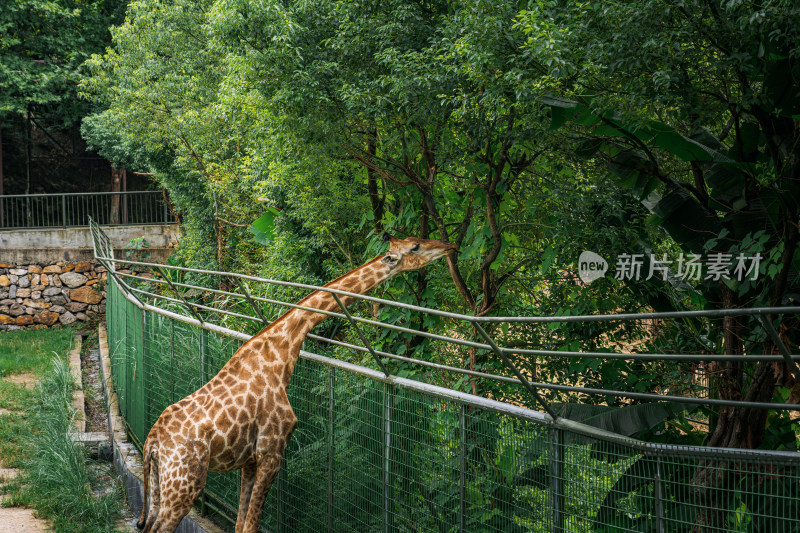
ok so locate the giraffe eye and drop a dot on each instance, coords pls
(415, 248)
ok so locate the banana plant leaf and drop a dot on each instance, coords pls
(263, 228)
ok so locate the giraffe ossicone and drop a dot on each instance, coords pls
(241, 418)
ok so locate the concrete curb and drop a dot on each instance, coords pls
(78, 397)
(127, 460)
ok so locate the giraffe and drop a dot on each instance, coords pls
(241, 418)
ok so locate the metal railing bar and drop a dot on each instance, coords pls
(185, 319)
(361, 334)
(128, 290)
(402, 329)
(250, 299)
(506, 361)
(313, 336)
(214, 309)
(668, 397)
(471, 344)
(421, 362)
(68, 210)
(571, 388)
(88, 195)
(711, 313)
(666, 450)
(199, 306)
(180, 295)
(463, 397)
(770, 329)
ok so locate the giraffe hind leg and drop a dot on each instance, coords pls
(248, 479)
(152, 500)
(268, 469)
(181, 480)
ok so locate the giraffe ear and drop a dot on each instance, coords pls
(386, 236)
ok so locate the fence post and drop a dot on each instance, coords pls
(659, 495)
(331, 449)
(462, 461)
(64, 210)
(557, 480)
(130, 361)
(281, 505)
(145, 395)
(204, 363)
(171, 360)
(387, 443)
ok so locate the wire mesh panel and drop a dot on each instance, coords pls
(381, 454)
(75, 209)
(302, 497)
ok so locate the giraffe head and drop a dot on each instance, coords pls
(412, 253)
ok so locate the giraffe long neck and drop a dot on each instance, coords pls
(290, 330)
(359, 281)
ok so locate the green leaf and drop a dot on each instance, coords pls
(548, 257)
(263, 228)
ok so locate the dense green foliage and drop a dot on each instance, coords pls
(44, 45)
(526, 132)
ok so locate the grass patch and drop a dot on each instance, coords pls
(31, 350)
(24, 351)
(76, 494)
(13, 428)
(64, 485)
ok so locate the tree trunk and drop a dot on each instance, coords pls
(714, 482)
(375, 200)
(124, 178)
(2, 216)
(115, 187)
(29, 214)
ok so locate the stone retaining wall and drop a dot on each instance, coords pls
(46, 294)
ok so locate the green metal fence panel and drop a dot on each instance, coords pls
(370, 455)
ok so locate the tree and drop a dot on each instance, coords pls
(697, 117)
(42, 49)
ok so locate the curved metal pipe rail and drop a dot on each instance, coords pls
(104, 253)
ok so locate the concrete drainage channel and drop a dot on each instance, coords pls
(127, 460)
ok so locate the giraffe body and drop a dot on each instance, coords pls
(241, 418)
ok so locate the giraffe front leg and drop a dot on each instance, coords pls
(268, 467)
(248, 480)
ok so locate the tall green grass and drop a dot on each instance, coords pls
(24, 351)
(59, 479)
(62, 482)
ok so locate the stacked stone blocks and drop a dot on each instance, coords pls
(43, 295)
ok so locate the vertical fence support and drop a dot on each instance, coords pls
(171, 360)
(659, 496)
(203, 380)
(63, 211)
(462, 466)
(281, 503)
(203, 357)
(145, 388)
(556, 480)
(387, 443)
(130, 362)
(331, 449)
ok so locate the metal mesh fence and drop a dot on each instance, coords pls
(75, 209)
(381, 454)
